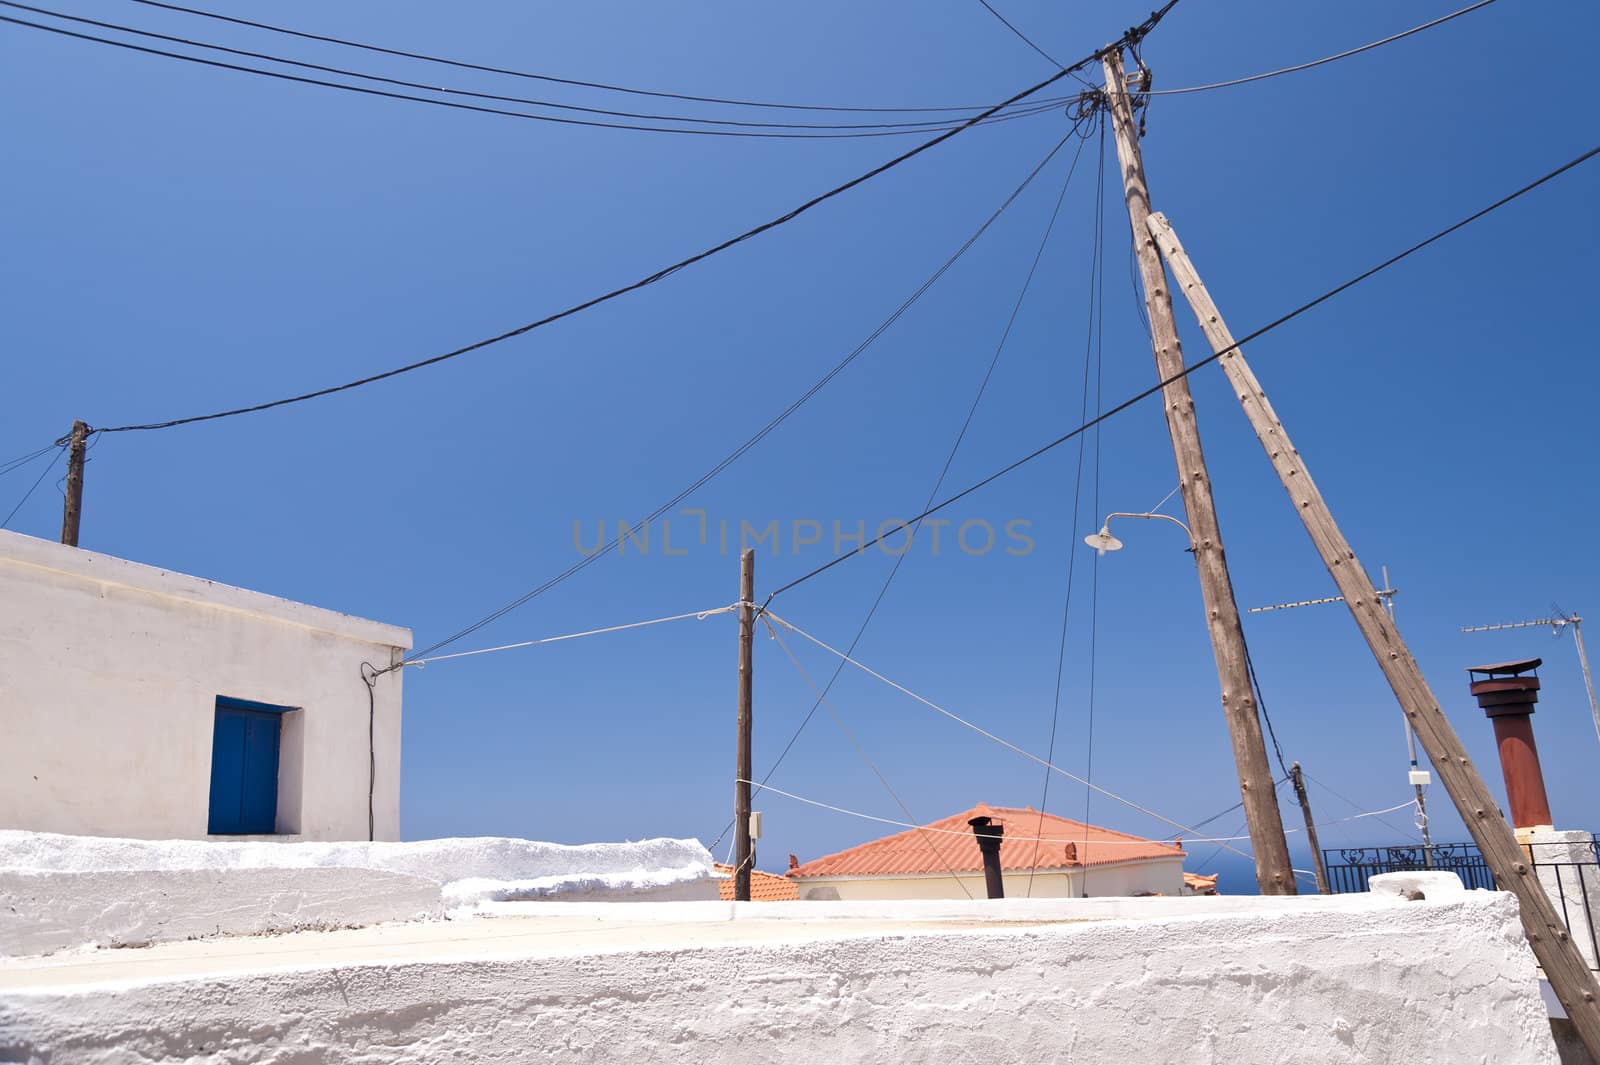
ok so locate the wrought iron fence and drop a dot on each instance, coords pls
(1568, 871)
(1350, 867)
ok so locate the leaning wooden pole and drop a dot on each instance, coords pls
(744, 858)
(1569, 976)
(1273, 871)
(1317, 862)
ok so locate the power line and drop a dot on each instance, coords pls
(464, 65)
(822, 697)
(18, 463)
(1208, 360)
(34, 487)
(1097, 229)
(967, 834)
(1356, 806)
(1094, 562)
(614, 293)
(1023, 37)
(938, 483)
(698, 615)
(1326, 59)
(456, 105)
(980, 730)
(762, 433)
(885, 128)
(1261, 708)
(1133, 35)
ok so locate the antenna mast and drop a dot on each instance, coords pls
(1557, 624)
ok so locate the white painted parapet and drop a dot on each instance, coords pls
(1355, 979)
(45, 912)
(59, 892)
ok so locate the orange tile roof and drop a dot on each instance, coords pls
(764, 887)
(1201, 885)
(1064, 844)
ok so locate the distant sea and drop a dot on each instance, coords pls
(1238, 874)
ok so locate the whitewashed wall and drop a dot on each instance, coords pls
(1353, 980)
(109, 675)
(1163, 876)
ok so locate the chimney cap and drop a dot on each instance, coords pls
(1510, 669)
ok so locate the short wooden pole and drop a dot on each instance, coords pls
(1311, 830)
(744, 855)
(72, 508)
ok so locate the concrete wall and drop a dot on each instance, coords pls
(109, 674)
(1357, 979)
(1163, 876)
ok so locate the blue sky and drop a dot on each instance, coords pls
(183, 239)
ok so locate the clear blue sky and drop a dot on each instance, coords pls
(181, 239)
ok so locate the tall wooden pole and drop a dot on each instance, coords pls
(72, 509)
(1273, 871)
(1569, 976)
(743, 856)
(1311, 829)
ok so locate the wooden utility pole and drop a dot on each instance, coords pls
(1569, 976)
(1273, 871)
(1311, 830)
(744, 857)
(72, 509)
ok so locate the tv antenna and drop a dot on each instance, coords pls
(1418, 776)
(1558, 622)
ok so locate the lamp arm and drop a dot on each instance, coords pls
(1163, 517)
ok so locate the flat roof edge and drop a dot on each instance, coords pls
(98, 568)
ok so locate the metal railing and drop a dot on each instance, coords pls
(1568, 871)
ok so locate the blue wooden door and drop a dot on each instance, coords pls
(244, 772)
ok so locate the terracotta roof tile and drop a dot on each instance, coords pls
(1066, 844)
(764, 887)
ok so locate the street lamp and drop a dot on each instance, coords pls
(1103, 541)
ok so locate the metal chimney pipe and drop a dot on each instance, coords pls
(990, 835)
(1507, 699)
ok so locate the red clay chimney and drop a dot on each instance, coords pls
(1507, 699)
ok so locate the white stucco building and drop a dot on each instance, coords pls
(143, 703)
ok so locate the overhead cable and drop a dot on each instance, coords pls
(651, 279)
(988, 118)
(979, 729)
(34, 487)
(822, 697)
(762, 433)
(1023, 37)
(1355, 805)
(1202, 363)
(883, 128)
(23, 460)
(1319, 62)
(1094, 312)
(698, 615)
(933, 494)
(464, 65)
(1010, 838)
